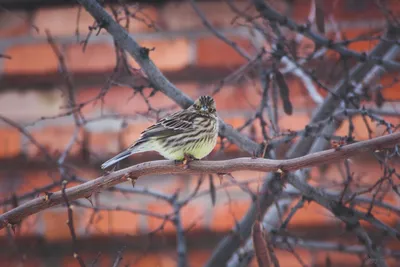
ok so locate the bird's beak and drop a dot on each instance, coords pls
(204, 108)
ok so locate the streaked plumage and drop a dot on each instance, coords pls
(191, 132)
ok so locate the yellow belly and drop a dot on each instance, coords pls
(199, 151)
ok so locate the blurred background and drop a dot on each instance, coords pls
(56, 70)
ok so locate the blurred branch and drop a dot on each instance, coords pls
(350, 217)
(327, 108)
(85, 190)
(223, 38)
(119, 257)
(270, 190)
(181, 247)
(273, 16)
(70, 223)
(157, 79)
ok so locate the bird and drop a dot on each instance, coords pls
(188, 134)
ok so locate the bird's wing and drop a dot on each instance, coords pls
(176, 123)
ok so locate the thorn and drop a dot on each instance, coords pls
(89, 198)
(47, 196)
(132, 180)
(266, 144)
(220, 176)
(12, 227)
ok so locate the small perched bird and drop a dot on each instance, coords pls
(187, 134)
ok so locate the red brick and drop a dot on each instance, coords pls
(169, 54)
(62, 21)
(366, 172)
(362, 45)
(338, 259)
(97, 57)
(113, 222)
(13, 23)
(122, 100)
(30, 226)
(133, 131)
(225, 215)
(30, 59)
(103, 143)
(391, 87)
(35, 179)
(162, 209)
(144, 18)
(36, 103)
(238, 122)
(235, 122)
(295, 122)
(247, 96)
(20, 183)
(299, 95)
(236, 98)
(55, 224)
(21, 261)
(359, 11)
(193, 215)
(212, 52)
(54, 139)
(163, 259)
(311, 214)
(103, 260)
(231, 98)
(198, 257)
(300, 10)
(360, 129)
(341, 10)
(10, 142)
(219, 14)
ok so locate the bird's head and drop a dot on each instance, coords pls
(205, 105)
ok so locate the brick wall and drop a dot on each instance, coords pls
(32, 91)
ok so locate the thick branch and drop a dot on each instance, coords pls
(16, 215)
(231, 242)
(157, 79)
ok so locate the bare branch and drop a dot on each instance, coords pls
(272, 15)
(15, 215)
(157, 79)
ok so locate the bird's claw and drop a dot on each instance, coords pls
(185, 162)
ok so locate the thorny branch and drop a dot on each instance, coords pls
(272, 201)
(14, 216)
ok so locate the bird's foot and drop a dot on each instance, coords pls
(185, 162)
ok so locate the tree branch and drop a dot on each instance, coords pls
(272, 15)
(231, 242)
(85, 190)
(157, 79)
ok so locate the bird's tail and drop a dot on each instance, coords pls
(139, 146)
(117, 158)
